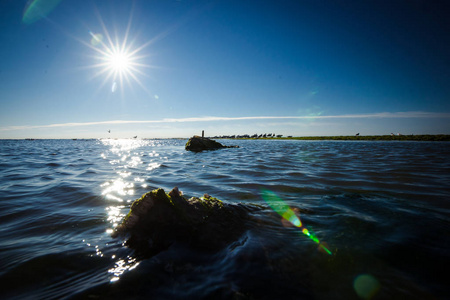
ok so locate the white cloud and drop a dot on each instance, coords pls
(390, 115)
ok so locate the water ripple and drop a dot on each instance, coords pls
(381, 207)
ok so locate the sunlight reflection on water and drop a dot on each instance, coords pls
(121, 266)
(125, 155)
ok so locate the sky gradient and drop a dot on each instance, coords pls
(300, 67)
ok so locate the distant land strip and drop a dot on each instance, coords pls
(419, 137)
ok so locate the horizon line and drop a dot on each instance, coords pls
(411, 114)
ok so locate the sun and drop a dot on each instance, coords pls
(119, 63)
(118, 60)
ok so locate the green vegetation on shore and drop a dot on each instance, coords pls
(422, 137)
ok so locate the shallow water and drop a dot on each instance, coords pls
(381, 208)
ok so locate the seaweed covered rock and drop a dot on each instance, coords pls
(157, 220)
(197, 143)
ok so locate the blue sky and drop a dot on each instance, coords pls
(299, 67)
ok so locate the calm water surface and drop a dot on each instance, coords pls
(381, 208)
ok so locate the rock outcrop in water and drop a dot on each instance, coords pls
(197, 143)
(157, 220)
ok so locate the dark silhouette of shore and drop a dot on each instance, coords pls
(419, 137)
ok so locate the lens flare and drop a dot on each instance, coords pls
(366, 286)
(280, 207)
(38, 9)
(288, 214)
(97, 39)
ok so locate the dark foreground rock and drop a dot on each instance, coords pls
(157, 220)
(197, 143)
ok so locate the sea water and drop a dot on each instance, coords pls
(381, 209)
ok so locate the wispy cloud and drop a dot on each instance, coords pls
(409, 114)
(390, 115)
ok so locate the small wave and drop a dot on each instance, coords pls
(53, 275)
(53, 165)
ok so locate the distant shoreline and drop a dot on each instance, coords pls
(419, 137)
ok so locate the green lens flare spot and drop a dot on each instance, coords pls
(38, 9)
(280, 207)
(322, 247)
(291, 217)
(314, 238)
(97, 39)
(366, 286)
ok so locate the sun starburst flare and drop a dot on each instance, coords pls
(118, 60)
